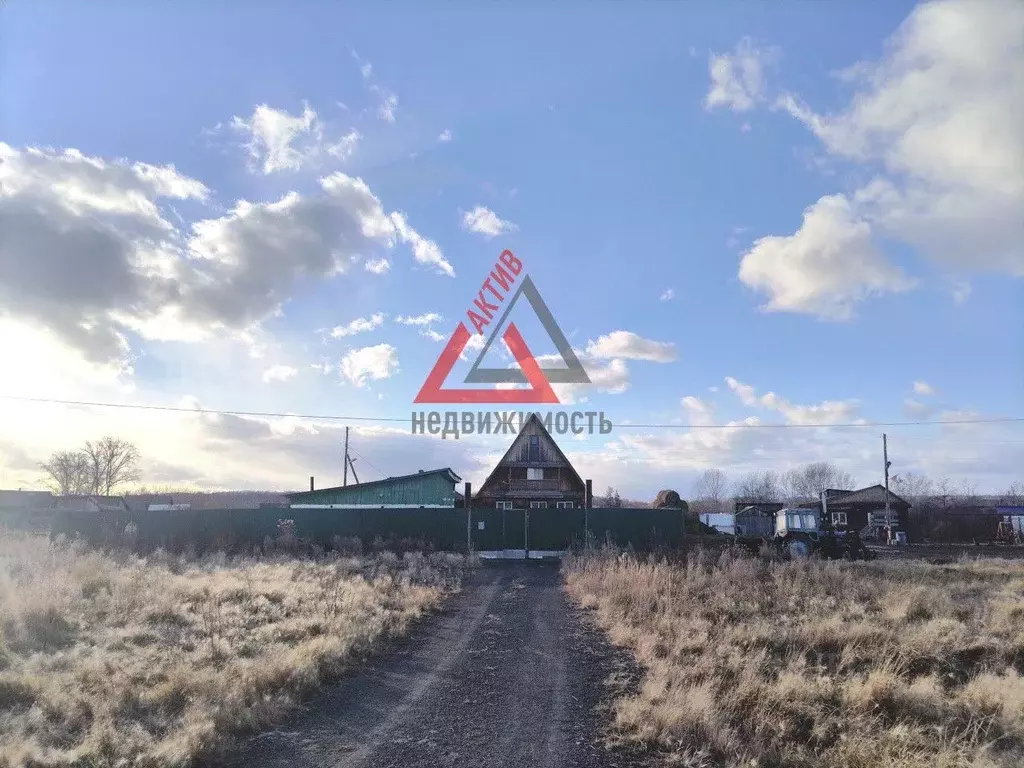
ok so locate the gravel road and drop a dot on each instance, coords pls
(509, 674)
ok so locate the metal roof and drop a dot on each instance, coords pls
(370, 483)
(873, 494)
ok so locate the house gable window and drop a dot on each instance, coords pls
(534, 473)
(533, 453)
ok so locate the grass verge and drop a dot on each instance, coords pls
(115, 659)
(851, 665)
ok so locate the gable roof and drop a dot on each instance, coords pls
(369, 484)
(873, 494)
(558, 451)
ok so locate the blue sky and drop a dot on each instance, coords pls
(590, 132)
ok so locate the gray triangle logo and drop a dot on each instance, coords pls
(573, 373)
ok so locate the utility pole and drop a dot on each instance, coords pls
(345, 481)
(885, 458)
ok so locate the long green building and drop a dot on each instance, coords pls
(426, 488)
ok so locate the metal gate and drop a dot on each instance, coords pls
(519, 534)
(499, 533)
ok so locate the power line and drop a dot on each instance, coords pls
(336, 417)
(363, 458)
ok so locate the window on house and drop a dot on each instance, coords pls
(534, 473)
(838, 518)
(534, 449)
(538, 505)
(564, 504)
(503, 505)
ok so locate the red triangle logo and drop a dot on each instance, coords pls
(433, 390)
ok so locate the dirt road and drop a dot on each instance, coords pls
(508, 675)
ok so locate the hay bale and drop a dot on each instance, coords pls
(668, 499)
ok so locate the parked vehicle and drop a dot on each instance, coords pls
(802, 532)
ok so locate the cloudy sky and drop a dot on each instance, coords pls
(745, 223)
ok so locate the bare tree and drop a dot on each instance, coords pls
(760, 486)
(944, 490)
(113, 462)
(912, 486)
(612, 498)
(709, 490)
(810, 480)
(69, 473)
(1015, 493)
(967, 493)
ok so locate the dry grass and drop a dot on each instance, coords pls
(118, 659)
(858, 665)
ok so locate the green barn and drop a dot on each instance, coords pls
(426, 488)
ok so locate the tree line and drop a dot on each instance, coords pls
(96, 469)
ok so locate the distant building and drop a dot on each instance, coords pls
(856, 510)
(533, 473)
(30, 510)
(426, 488)
(92, 504)
(749, 521)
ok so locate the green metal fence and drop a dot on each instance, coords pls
(487, 529)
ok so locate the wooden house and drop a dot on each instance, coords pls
(858, 510)
(533, 474)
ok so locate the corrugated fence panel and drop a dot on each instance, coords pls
(235, 529)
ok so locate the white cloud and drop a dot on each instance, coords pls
(630, 346)
(738, 79)
(378, 265)
(273, 135)
(667, 295)
(825, 267)
(923, 388)
(359, 325)
(279, 373)
(388, 103)
(827, 412)
(279, 141)
(486, 222)
(961, 291)
(134, 270)
(345, 147)
(425, 319)
(608, 376)
(387, 100)
(425, 251)
(699, 412)
(938, 121)
(475, 344)
(446, 135)
(359, 366)
(433, 335)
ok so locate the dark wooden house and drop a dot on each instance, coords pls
(855, 510)
(533, 473)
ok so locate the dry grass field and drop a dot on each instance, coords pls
(844, 665)
(124, 660)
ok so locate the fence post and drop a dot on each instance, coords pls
(468, 500)
(588, 502)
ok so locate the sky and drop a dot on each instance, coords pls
(755, 223)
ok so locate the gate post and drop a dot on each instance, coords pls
(588, 502)
(468, 501)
